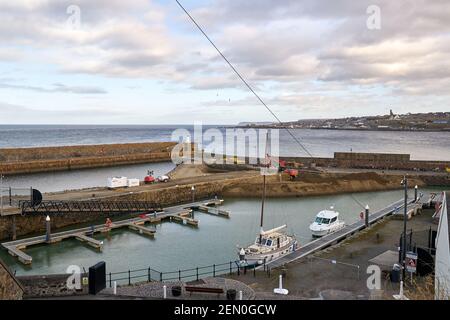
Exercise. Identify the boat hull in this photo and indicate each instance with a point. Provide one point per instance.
(258, 259)
(318, 233)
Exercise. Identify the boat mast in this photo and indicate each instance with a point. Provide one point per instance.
(262, 203)
(264, 188)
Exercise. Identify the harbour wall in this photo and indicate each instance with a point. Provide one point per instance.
(381, 161)
(309, 185)
(46, 159)
(10, 287)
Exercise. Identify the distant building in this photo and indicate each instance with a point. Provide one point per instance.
(440, 122)
(393, 116)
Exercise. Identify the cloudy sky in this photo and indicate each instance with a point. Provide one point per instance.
(143, 61)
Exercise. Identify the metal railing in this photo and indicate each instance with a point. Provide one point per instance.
(193, 274)
(103, 206)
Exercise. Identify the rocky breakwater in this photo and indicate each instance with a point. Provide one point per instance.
(45, 159)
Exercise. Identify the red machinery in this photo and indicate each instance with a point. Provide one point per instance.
(288, 167)
(293, 173)
(149, 178)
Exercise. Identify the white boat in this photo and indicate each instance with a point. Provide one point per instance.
(327, 221)
(269, 245)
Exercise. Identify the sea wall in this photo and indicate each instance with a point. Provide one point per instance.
(381, 161)
(10, 288)
(308, 185)
(45, 159)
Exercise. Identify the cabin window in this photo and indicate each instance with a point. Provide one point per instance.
(269, 243)
(264, 240)
(334, 219)
(325, 221)
(319, 220)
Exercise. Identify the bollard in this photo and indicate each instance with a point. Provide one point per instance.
(280, 289)
(240, 294)
(366, 216)
(115, 288)
(401, 290)
(165, 292)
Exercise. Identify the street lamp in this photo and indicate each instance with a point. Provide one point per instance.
(193, 194)
(47, 227)
(1, 194)
(366, 216)
(405, 217)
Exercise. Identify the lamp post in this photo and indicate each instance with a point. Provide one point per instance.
(366, 216)
(415, 192)
(1, 194)
(405, 217)
(193, 200)
(47, 227)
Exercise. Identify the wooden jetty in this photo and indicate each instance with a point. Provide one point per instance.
(214, 211)
(90, 241)
(338, 236)
(181, 214)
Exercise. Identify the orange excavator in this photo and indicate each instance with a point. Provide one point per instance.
(289, 168)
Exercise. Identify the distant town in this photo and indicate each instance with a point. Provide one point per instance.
(432, 121)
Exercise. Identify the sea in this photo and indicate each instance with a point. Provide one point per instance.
(317, 142)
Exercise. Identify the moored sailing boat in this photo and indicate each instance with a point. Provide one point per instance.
(269, 245)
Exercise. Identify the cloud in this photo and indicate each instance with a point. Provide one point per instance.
(33, 115)
(302, 55)
(57, 87)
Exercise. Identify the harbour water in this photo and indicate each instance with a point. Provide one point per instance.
(88, 178)
(177, 246)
